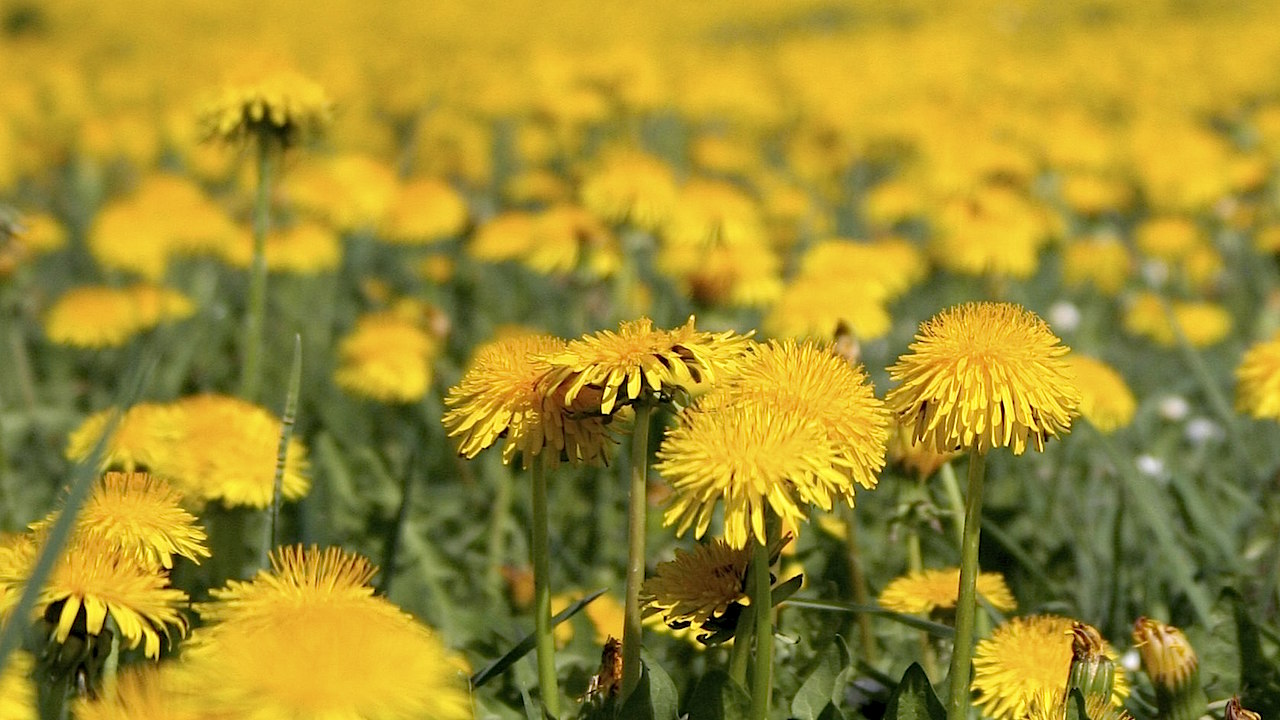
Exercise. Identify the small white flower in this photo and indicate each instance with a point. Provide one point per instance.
(1155, 272)
(1203, 430)
(1174, 408)
(1131, 661)
(1150, 465)
(1064, 316)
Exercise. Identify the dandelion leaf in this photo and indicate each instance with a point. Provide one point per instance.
(914, 698)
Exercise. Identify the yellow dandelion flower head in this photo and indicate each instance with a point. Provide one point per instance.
(1201, 323)
(285, 106)
(425, 210)
(155, 692)
(93, 579)
(755, 457)
(639, 360)
(565, 238)
(503, 394)
(304, 248)
(41, 233)
(144, 438)
(386, 357)
(98, 316)
(630, 187)
(895, 200)
(992, 231)
(714, 212)
(1053, 705)
(1092, 193)
(814, 306)
(984, 375)
(1026, 657)
(227, 452)
(17, 692)
(1167, 656)
(349, 192)
(885, 269)
(927, 590)
(1105, 399)
(916, 457)
(140, 516)
(506, 236)
(809, 379)
(1236, 711)
(1167, 238)
(310, 639)
(1102, 262)
(743, 275)
(1258, 380)
(697, 586)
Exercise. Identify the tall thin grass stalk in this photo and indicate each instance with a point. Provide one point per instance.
(860, 594)
(287, 421)
(637, 519)
(545, 640)
(966, 606)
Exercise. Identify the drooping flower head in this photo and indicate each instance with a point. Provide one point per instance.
(640, 360)
(796, 426)
(984, 375)
(1026, 657)
(928, 590)
(1258, 380)
(286, 106)
(1167, 656)
(1105, 399)
(697, 586)
(140, 516)
(504, 394)
(310, 639)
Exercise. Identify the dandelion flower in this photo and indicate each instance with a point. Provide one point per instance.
(285, 106)
(140, 516)
(917, 457)
(92, 580)
(1103, 263)
(144, 438)
(927, 590)
(984, 375)
(1201, 323)
(17, 692)
(41, 233)
(305, 248)
(227, 452)
(386, 357)
(1105, 399)
(503, 395)
(630, 187)
(1026, 657)
(698, 586)
(1167, 656)
(815, 306)
(425, 210)
(1258, 380)
(1052, 705)
(310, 639)
(1167, 238)
(142, 691)
(640, 360)
(97, 317)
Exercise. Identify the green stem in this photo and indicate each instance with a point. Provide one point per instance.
(966, 606)
(499, 517)
(740, 655)
(636, 523)
(272, 535)
(860, 593)
(762, 602)
(915, 563)
(952, 488)
(251, 350)
(546, 643)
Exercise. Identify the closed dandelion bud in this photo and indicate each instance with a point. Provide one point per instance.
(1236, 712)
(1092, 672)
(1171, 663)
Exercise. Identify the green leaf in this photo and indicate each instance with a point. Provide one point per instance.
(914, 698)
(1259, 678)
(522, 648)
(785, 590)
(718, 697)
(822, 685)
(831, 712)
(654, 698)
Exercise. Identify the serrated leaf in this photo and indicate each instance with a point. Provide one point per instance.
(819, 689)
(914, 698)
(718, 697)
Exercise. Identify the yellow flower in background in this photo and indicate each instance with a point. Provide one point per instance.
(305, 248)
(386, 357)
(226, 451)
(93, 579)
(1101, 262)
(885, 268)
(310, 639)
(1026, 657)
(630, 187)
(349, 191)
(993, 231)
(698, 585)
(285, 106)
(565, 238)
(504, 394)
(1105, 399)
(1258, 380)
(41, 233)
(17, 692)
(506, 236)
(813, 307)
(1090, 193)
(144, 438)
(1052, 705)
(922, 459)
(748, 275)
(99, 316)
(984, 375)
(1167, 238)
(1202, 323)
(141, 517)
(713, 212)
(928, 590)
(424, 211)
(155, 692)
(639, 360)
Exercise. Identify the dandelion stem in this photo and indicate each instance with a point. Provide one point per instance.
(860, 594)
(740, 655)
(546, 644)
(958, 704)
(251, 351)
(762, 604)
(636, 522)
(499, 516)
(952, 488)
(272, 538)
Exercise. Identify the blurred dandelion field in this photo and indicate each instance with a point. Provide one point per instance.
(650, 360)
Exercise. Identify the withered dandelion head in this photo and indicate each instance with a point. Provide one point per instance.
(984, 375)
(310, 639)
(286, 107)
(503, 394)
(927, 590)
(1167, 656)
(1105, 399)
(1258, 380)
(699, 585)
(140, 516)
(386, 357)
(640, 360)
(1026, 657)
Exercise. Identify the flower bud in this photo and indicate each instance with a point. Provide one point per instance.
(1171, 663)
